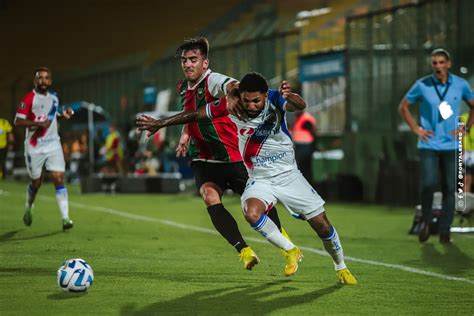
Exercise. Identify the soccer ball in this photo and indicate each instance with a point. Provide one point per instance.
(75, 275)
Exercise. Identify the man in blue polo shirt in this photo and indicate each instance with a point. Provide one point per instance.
(440, 95)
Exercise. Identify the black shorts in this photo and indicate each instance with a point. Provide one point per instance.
(3, 156)
(231, 175)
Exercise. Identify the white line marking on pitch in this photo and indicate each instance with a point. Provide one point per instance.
(210, 231)
(313, 250)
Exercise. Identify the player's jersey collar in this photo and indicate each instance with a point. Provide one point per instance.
(204, 75)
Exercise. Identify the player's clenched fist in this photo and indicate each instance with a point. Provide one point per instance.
(285, 89)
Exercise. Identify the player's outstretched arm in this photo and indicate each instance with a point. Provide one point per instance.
(294, 102)
(152, 125)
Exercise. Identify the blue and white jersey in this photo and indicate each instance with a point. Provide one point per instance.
(264, 142)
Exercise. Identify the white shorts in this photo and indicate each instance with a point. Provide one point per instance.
(291, 189)
(53, 159)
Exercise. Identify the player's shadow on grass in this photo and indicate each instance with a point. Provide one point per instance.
(451, 260)
(260, 299)
(65, 296)
(21, 271)
(8, 236)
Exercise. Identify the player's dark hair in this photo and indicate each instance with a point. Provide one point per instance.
(200, 43)
(253, 82)
(37, 70)
(441, 52)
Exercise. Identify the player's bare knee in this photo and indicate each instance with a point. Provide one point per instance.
(36, 184)
(252, 211)
(252, 215)
(58, 178)
(320, 224)
(210, 193)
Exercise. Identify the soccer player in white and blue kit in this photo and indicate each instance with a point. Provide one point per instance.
(267, 151)
(38, 114)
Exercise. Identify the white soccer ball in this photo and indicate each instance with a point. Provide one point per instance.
(75, 275)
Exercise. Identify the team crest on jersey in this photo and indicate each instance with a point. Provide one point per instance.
(22, 105)
(246, 131)
(200, 93)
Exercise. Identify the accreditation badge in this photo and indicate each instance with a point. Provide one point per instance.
(445, 110)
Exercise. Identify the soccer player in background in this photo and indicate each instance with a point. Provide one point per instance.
(212, 144)
(38, 114)
(267, 150)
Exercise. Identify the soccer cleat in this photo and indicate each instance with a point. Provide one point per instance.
(292, 256)
(445, 238)
(424, 232)
(67, 224)
(248, 256)
(28, 216)
(345, 277)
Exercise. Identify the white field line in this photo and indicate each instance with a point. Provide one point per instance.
(258, 240)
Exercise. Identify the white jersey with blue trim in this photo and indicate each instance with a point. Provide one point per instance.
(265, 142)
(39, 107)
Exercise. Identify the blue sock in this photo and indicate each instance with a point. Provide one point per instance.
(333, 246)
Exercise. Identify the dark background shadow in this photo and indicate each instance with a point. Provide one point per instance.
(9, 235)
(452, 261)
(234, 300)
(65, 296)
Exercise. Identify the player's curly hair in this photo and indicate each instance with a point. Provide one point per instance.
(200, 43)
(253, 82)
(37, 70)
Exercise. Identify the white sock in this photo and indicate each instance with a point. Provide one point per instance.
(270, 231)
(30, 195)
(333, 246)
(63, 203)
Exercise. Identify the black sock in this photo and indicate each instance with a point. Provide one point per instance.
(273, 215)
(226, 226)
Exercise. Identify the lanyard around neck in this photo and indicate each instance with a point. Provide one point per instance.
(441, 97)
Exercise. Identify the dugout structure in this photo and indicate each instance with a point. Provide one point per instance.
(387, 51)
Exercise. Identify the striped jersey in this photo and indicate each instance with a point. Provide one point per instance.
(39, 107)
(212, 140)
(264, 142)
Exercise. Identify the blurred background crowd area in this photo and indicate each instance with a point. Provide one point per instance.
(352, 61)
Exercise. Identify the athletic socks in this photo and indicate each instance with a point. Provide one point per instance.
(226, 226)
(333, 246)
(273, 215)
(30, 195)
(270, 231)
(63, 203)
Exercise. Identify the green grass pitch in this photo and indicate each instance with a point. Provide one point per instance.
(159, 254)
